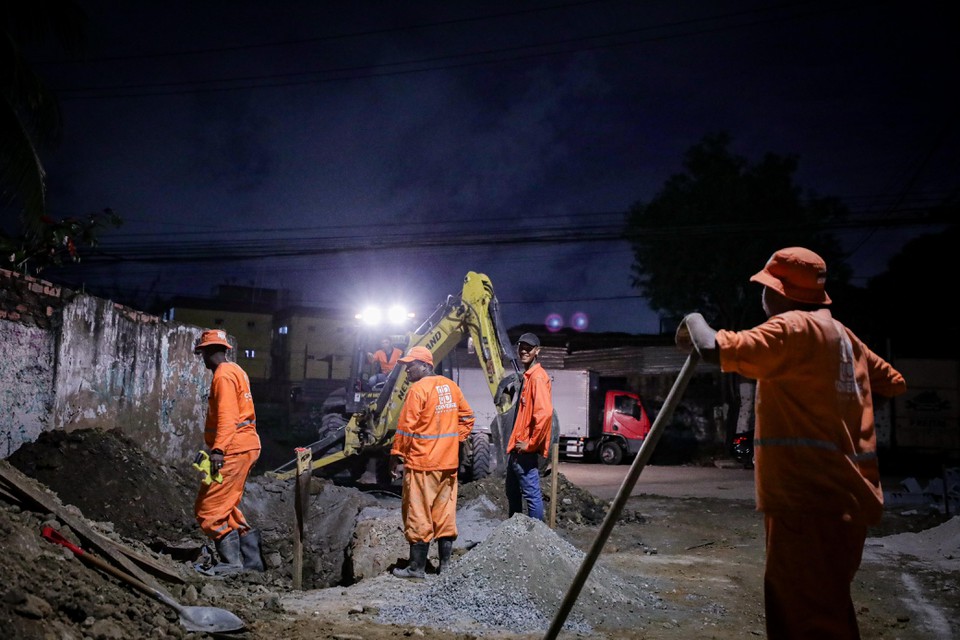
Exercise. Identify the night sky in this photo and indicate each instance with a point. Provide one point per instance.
(383, 149)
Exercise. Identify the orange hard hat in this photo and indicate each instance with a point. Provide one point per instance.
(211, 337)
(418, 353)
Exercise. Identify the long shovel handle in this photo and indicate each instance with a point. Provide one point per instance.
(56, 537)
(626, 488)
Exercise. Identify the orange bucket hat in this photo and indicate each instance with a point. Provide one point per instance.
(796, 273)
(211, 337)
(418, 353)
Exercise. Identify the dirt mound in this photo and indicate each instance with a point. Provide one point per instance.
(111, 479)
(47, 593)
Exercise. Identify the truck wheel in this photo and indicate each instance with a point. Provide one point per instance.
(611, 453)
(477, 455)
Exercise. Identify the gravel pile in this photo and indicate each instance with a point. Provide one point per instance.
(515, 581)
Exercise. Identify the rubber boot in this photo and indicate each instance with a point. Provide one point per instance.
(231, 559)
(445, 549)
(415, 568)
(251, 551)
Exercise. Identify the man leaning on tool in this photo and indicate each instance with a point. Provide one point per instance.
(817, 477)
(530, 438)
(230, 434)
(434, 420)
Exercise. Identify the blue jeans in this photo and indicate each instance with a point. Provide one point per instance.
(523, 484)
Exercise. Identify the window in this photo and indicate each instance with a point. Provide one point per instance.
(625, 405)
(283, 330)
(251, 324)
(250, 353)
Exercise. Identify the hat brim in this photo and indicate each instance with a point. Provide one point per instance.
(767, 280)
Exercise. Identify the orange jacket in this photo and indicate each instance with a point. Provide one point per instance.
(434, 420)
(815, 439)
(231, 421)
(534, 419)
(386, 363)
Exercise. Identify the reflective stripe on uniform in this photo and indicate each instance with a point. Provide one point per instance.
(423, 436)
(811, 442)
(246, 422)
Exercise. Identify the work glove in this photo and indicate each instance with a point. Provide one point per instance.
(216, 461)
(695, 333)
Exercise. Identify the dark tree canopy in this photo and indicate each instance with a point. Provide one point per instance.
(29, 111)
(698, 241)
(903, 293)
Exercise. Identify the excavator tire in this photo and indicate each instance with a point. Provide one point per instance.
(476, 459)
(332, 428)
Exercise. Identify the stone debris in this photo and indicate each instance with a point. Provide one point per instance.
(939, 494)
(938, 546)
(515, 581)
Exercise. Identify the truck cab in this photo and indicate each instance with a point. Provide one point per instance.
(625, 427)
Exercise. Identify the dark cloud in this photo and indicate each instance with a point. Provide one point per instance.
(251, 121)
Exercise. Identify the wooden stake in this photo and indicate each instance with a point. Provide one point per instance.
(554, 472)
(301, 500)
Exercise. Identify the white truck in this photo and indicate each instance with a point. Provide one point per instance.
(591, 422)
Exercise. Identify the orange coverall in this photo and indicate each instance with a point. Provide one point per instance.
(534, 419)
(434, 420)
(231, 427)
(817, 476)
(386, 363)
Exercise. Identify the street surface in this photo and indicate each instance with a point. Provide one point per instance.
(604, 481)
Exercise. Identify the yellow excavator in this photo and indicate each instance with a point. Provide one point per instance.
(358, 424)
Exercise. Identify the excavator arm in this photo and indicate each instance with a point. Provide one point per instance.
(474, 314)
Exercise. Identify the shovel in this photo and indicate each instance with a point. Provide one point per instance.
(626, 488)
(198, 619)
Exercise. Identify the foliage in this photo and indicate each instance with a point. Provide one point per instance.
(29, 112)
(708, 229)
(54, 241)
(903, 291)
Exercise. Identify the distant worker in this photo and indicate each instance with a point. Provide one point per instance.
(434, 420)
(234, 446)
(530, 438)
(386, 358)
(817, 474)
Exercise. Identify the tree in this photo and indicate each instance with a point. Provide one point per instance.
(29, 112)
(702, 236)
(902, 297)
(708, 229)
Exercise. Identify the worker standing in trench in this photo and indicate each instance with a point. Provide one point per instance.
(230, 433)
(530, 438)
(434, 420)
(817, 474)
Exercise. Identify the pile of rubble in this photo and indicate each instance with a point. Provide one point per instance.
(515, 581)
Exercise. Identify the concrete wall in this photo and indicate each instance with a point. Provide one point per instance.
(26, 384)
(73, 361)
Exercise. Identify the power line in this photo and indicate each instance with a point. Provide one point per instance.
(263, 82)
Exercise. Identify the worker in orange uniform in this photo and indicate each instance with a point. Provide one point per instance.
(386, 358)
(817, 475)
(434, 420)
(231, 436)
(530, 438)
